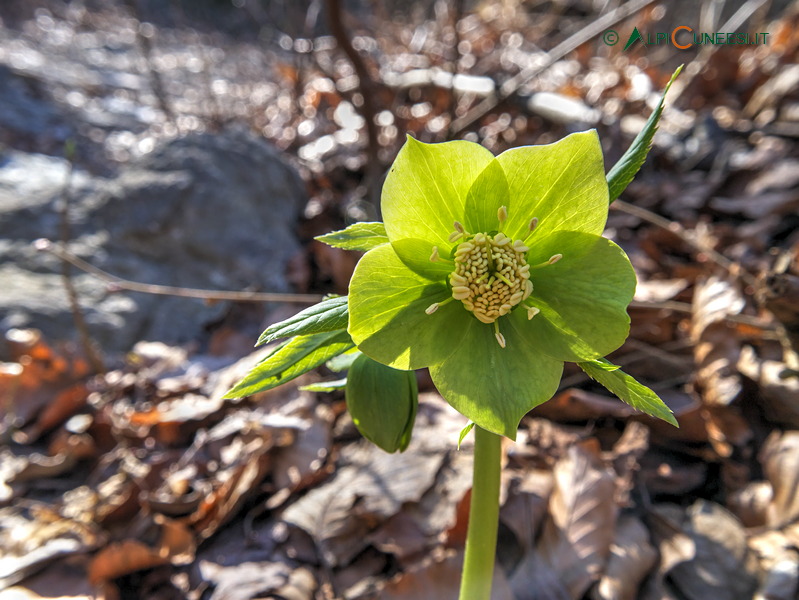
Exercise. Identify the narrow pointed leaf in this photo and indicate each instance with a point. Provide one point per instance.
(358, 236)
(628, 389)
(342, 362)
(291, 360)
(328, 315)
(623, 171)
(325, 386)
(464, 432)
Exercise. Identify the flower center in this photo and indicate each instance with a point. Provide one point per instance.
(491, 275)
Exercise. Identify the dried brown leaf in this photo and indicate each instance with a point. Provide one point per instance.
(631, 558)
(366, 490)
(30, 539)
(779, 394)
(439, 580)
(722, 567)
(751, 504)
(780, 459)
(626, 456)
(176, 545)
(246, 580)
(526, 507)
(582, 517)
(716, 349)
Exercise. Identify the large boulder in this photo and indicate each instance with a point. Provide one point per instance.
(208, 210)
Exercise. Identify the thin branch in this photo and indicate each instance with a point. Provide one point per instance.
(512, 85)
(66, 273)
(678, 230)
(117, 283)
(368, 90)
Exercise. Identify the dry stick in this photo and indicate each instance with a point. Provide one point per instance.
(117, 283)
(685, 236)
(368, 89)
(146, 47)
(512, 85)
(66, 272)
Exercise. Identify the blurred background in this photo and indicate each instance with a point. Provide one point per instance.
(204, 143)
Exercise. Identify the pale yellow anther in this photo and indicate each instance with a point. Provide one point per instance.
(461, 292)
(434, 256)
(432, 308)
(501, 239)
(491, 276)
(458, 227)
(528, 289)
(555, 258)
(502, 214)
(454, 236)
(533, 224)
(498, 335)
(519, 246)
(531, 312)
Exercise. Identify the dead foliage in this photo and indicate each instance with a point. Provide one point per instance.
(143, 483)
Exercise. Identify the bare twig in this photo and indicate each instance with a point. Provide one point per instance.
(117, 283)
(368, 90)
(146, 47)
(512, 85)
(678, 230)
(66, 272)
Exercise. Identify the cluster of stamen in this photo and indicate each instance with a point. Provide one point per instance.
(491, 275)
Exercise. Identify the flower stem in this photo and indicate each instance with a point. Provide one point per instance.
(481, 536)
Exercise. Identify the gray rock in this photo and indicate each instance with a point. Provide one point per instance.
(23, 113)
(208, 211)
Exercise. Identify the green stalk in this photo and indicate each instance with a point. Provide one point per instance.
(481, 536)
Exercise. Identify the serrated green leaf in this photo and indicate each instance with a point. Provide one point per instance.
(605, 365)
(358, 236)
(325, 386)
(628, 389)
(464, 432)
(382, 403)
(623, 171)
(291, 360)
(328, 315)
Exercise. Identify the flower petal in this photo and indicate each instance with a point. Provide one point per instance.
(387, 303)
(562, 184)
(416, 255)
(583, 297)
(425, 190)
(493, 386)
(488, 192)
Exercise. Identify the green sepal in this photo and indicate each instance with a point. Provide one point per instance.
(325, 386)
(382, 402)
(464, 432)
(623, 172)
(292, 359)
(329, 315)
(358, 236)
(628, 389)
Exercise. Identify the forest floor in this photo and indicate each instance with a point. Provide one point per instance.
(141, 482)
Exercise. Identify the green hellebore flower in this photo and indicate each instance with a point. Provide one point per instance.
(495, 273)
